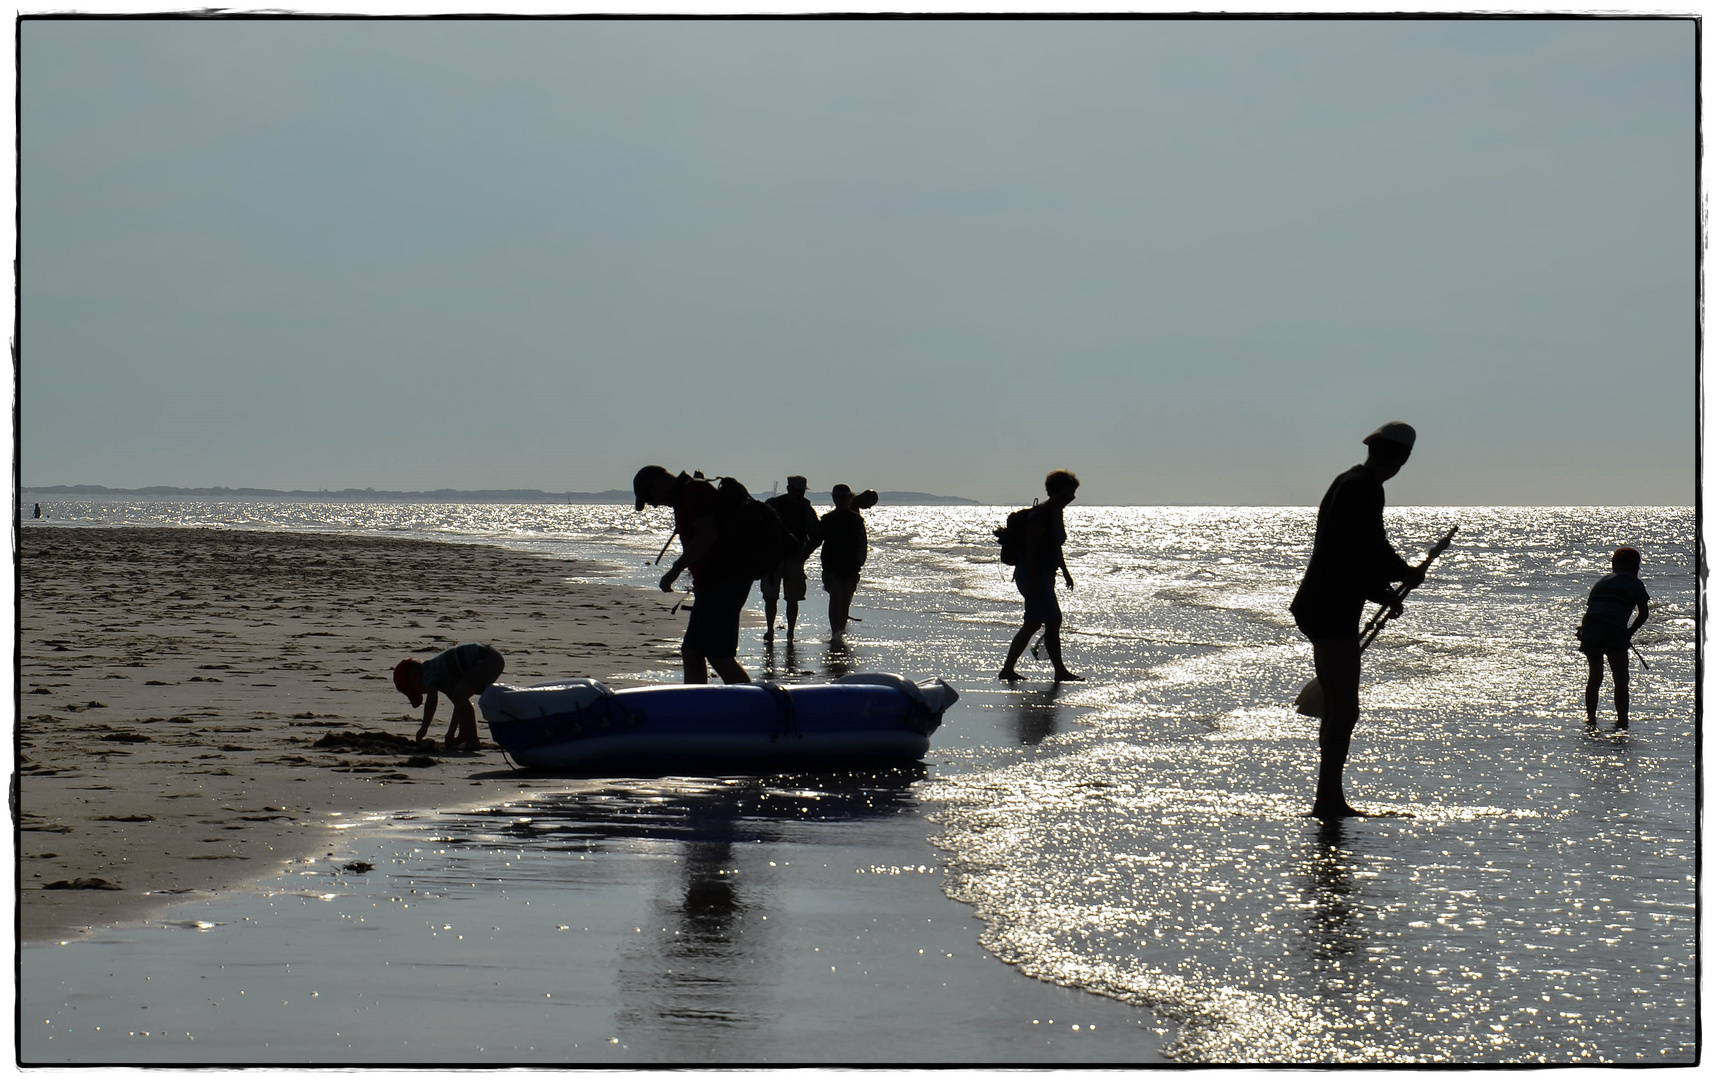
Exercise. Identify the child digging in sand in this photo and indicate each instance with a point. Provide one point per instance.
(460, 672)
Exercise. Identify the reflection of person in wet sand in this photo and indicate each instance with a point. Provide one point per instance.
(1605, 630)
(1351, 562)
(1044, 555)
(461, 673)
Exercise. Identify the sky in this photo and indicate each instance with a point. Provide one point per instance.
(1192, 261)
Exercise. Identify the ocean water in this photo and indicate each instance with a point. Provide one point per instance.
(1525, 890)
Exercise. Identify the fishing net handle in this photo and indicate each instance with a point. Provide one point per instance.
(1386, 612)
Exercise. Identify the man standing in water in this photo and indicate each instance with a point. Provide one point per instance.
(1605, 630)
(801, 521)
(712, 631)
(845, 547)
(1045, 538)
(1351, 562)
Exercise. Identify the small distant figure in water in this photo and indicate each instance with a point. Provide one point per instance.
(1608, 627)
(1044, 555)
(1351, 562)
(38, 510)
(712, 631)
(801, 521)
(845, 547)
(460, 673)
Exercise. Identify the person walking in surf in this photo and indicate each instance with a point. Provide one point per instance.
(1045, 540)
(1351, 562)
(1605, 630)
(801, 521)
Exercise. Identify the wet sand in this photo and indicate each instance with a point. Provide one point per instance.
(197, 706)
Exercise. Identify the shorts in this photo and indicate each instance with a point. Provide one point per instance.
(1603, 641)
(847, 583)
(1041, 604)
(789, 574)
(712, 632)
(485, 668)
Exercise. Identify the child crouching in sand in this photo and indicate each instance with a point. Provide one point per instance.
(460, 672)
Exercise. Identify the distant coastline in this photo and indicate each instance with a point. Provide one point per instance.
(440, 495)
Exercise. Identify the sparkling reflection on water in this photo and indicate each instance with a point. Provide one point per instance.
(1529, 894)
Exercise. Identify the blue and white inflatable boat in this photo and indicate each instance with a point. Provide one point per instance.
(580, 724)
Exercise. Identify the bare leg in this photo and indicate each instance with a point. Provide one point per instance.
(696, 670)
(1052, 642)
(769, 617)
(1593, 685)
(1023, 638)
(1337, 661)
(1619, 667)
(792, 617)
(839, 608)
(730, 671)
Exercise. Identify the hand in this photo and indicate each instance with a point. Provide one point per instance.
(421, 731)
(1396, 605)
(1067, 574)
(1414, 578)
(669, 578)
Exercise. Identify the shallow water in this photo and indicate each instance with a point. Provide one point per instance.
(1530, 896)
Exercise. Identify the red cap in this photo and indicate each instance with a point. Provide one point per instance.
(399, 671)
(1625, 556)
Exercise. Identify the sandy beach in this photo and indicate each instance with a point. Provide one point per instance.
(198, 706)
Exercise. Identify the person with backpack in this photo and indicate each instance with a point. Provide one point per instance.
(799, 519)
(1351, 562)
(845, 547)
(1608, 627)
(720, 582)
(1038, 554)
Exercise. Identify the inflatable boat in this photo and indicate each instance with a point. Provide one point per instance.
(580, 724)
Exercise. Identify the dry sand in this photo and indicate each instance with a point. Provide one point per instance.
(198, 706)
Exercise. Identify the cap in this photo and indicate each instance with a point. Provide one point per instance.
(644, 480)
(1394, 431)
(797, 483)
(839, 490)
(1625, 556)
(399, 671)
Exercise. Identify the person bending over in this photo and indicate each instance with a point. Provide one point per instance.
(460, 673)
(1605, 630)
(712, 631)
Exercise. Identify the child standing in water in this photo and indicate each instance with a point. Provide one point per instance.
(1605, 630)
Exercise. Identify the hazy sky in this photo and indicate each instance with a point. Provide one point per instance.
(1192, 261)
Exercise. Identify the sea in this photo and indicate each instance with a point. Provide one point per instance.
(1523, 888)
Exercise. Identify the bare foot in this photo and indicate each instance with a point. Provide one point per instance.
(1010, 675)
(1331, 811)
(1067, 676)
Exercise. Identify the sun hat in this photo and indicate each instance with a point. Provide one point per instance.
(839, 490)
(1394, 431)
(797, 483)
(865, 499)
(399, 671)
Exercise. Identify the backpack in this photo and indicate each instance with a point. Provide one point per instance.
(752, 540)
(1012, 535)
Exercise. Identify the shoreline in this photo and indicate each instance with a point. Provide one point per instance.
(199, 707)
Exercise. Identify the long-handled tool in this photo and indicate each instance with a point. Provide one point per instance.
(1310, 700)
(663, 552)
(1638, 654)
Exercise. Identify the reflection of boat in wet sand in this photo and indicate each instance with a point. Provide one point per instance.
(580, 723)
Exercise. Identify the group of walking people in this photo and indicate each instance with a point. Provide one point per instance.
(720, 533)
(722, 530)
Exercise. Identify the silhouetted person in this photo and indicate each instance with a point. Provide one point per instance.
(1045, 539)
(460, 672)
(1351, 562)
(38, 510)
(1608, 627)
(801, 521)
(845, 547)
(712, 630)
